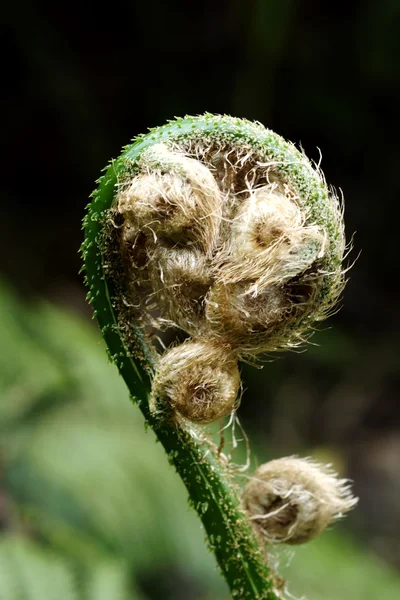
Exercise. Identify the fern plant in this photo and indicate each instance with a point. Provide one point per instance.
(219, 228)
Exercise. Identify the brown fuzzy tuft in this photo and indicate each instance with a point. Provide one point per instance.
(181, 280)
(198, 380)
(292, 500)
(175, 198)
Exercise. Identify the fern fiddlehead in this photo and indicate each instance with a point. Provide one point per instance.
(219, 228)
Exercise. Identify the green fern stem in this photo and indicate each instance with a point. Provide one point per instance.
(211, 490)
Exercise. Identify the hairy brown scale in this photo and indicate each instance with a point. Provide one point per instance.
(293, 500)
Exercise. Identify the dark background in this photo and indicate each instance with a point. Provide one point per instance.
(81, 79)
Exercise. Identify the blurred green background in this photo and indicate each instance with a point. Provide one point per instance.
(89, 507)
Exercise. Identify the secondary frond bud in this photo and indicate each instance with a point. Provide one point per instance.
(198, 380)
(181, 281)
(292, 500)
(270, 239)
(254, 322)
(174, 197)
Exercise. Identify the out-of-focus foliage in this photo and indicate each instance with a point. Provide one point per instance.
(89, 506)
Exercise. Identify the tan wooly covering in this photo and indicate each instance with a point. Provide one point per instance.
(292, 500)
(183, 203)
(198, 380)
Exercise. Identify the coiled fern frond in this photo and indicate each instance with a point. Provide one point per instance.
(221, 229)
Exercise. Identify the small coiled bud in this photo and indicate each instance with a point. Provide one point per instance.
(292, 500)
(198, 380)
(181, 281)
(270, 241)
(175, 197)
(237, 315)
